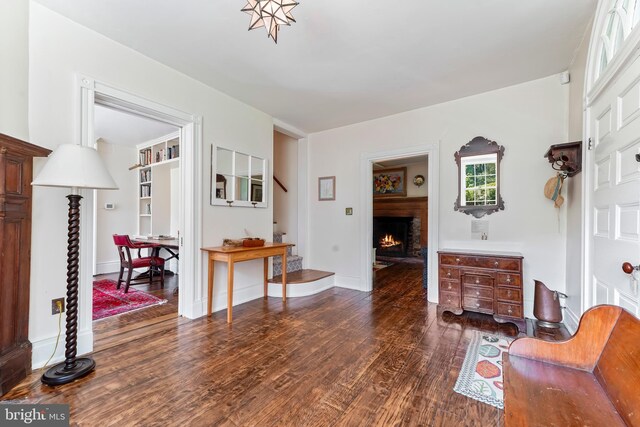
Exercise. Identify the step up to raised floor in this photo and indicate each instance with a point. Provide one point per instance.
(294, 263)
(302, 276)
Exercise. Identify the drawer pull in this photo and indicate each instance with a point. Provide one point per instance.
(495, 263)
(449, 286)
(449, 300)
(509, 311)
(477, 281)
(478, 293)
(508, 279)
(477, 305)
(448, 274)
(458, 260)
(508, 293)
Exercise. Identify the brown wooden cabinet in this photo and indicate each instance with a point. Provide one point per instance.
(484, 282)
(15, 253)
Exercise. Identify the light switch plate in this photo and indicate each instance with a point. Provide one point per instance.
(348, 211)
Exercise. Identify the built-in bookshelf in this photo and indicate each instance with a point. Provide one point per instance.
(155, 157)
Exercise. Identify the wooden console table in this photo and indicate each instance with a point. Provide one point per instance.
(231, 255)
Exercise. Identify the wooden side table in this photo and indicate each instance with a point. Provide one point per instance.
(231, 255)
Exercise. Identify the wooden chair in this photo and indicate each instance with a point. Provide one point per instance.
(591, 379)
(153, 263)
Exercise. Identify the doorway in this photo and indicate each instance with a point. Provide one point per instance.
(400, 214)
(142, 155)
(426, 158)
(92, 93)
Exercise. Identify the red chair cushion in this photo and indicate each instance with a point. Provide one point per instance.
(147, 261)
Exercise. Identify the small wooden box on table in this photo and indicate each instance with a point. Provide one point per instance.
(484, 282)
(591, 379)
(233, 254)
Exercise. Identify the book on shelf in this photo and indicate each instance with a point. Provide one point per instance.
(145, 175)
(145, 190)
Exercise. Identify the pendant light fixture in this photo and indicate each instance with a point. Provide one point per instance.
(270, 14)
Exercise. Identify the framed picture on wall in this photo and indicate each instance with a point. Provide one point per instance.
(390, 182)
(327, 188)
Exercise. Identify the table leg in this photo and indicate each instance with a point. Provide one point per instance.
(229, 291)
(284, 275)
(266, 275)
(210, 300)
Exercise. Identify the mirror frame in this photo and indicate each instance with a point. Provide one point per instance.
(479, 146)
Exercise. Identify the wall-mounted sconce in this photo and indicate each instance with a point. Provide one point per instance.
(566, 158)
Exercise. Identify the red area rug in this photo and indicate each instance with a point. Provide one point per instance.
(109, 301)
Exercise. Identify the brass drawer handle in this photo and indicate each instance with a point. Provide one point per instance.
(496, 263)
(509, 310)
(477, 305)
(477, 281)
(448, 274)
(449, 286)
(508, 279)
(508, 293)
(458, 260)
(478, 293)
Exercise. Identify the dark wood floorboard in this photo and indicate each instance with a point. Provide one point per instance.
(338, 358)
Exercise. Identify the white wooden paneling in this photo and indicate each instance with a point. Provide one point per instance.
(628, 222)
(601, 222)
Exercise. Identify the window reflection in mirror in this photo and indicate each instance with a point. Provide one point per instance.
(238, 179)
(479, 177)
(479, 184)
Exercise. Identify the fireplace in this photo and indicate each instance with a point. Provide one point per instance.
(392, 236)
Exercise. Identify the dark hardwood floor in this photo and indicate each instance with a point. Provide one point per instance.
(338, 358)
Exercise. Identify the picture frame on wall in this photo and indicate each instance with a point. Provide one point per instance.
(326, 188)
(390, 182)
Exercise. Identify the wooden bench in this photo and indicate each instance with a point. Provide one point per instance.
(591, 379)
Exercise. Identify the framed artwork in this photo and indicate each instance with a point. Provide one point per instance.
(390, 182)
(326, 188)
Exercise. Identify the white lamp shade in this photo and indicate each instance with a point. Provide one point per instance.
(72, 165)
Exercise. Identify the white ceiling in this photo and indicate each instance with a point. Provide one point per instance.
(118, 127)
(347, 61)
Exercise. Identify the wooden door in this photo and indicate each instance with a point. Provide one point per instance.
(614, 202)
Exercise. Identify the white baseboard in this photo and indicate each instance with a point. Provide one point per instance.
(301, 289)
(107, 267)
(42, 349)
(348, 282)
(571, 321)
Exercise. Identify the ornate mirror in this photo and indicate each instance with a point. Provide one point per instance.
(479, 177)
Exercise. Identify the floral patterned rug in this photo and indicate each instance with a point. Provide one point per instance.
(109, 301)
(481, 374)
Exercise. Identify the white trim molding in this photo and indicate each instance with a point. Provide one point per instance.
(90, 92)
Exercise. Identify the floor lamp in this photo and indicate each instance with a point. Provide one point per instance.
(73, 166)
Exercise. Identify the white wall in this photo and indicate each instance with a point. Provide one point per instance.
(285, 168)
(122, 219)
(573, 188)
(59, 49)
(14, 68)
(525, 119)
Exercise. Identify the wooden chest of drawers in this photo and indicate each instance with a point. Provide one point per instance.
(483, 282)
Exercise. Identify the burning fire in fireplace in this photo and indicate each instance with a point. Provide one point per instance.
(388, 241)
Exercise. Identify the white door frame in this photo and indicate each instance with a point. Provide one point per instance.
(190, 287)
(366, 209)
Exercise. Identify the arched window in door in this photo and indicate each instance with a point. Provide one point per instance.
(621, 19)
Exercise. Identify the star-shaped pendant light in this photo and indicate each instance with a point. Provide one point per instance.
(270, 14)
